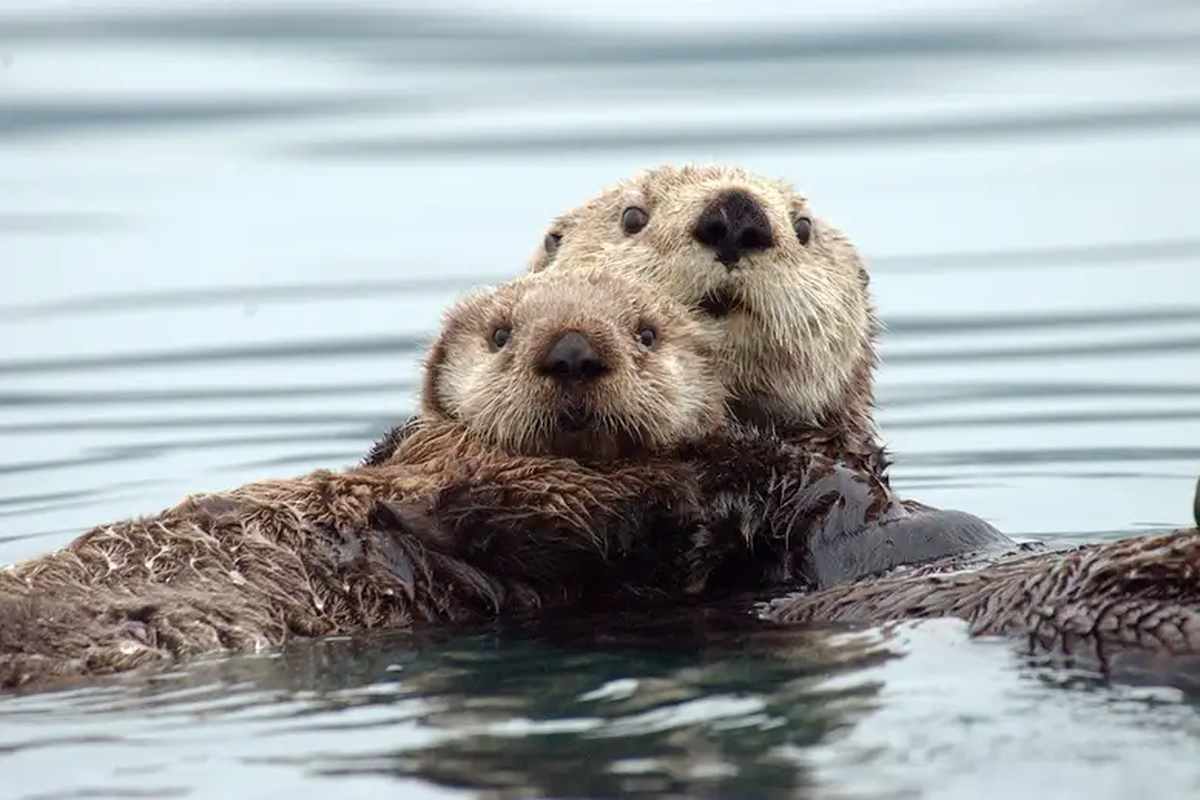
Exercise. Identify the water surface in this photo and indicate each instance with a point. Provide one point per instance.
(228, 233)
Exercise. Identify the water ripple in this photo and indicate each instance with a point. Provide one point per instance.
(1054, 455)
(306, 351)
(495, 39)
(157, 396)
(1081, 255)
(41, 118)
(200, 297)
(1030, 167)
(762, 136)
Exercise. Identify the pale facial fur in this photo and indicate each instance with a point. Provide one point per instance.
(798, 342)
(650, 398)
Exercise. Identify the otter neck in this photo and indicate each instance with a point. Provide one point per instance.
(844, 432)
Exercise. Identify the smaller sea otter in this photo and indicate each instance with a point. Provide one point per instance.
(534, 392)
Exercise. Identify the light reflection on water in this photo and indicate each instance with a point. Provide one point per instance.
(228, 238)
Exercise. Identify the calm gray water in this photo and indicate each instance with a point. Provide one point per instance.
(227, 236)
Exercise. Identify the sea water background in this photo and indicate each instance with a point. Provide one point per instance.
(227, 231)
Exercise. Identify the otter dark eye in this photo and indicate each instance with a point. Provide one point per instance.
(633, 219)
(500, 337)
(647, 336)
(551, 242)
(803, 229)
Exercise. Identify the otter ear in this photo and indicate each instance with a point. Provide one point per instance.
(545, 254)
(539, 261)
(435, 364)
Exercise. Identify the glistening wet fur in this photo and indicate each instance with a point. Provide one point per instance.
(342, 552)
(469, 519)
(786, 298)
(1129, 609)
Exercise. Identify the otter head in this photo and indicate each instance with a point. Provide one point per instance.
(578, 363)
(787, 293)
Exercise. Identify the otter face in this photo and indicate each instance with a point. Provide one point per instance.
(578, 363)
(787, 293)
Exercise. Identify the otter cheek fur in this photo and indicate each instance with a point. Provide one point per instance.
(787, 293)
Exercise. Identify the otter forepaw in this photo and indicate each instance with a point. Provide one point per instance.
(383, 449)
(413, 519)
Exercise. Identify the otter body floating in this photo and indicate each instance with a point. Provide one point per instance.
(787, 299)
(604, 469)
(331, 553)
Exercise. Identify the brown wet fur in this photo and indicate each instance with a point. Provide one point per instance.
(740, 509)
(469, 518)
(1133, 603)
(332, 553)
(87, 631)
(340, 552)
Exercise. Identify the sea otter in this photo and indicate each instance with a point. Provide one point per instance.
(790, 296)
(788, 293)
(535, 392)
(572, 443)
(787, 297)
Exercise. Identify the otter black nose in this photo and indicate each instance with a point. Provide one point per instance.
(733, 224)
(572, 358)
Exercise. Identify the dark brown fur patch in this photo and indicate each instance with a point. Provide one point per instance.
(450, 531)
(1110, 605)
(330, 553)
(383, 447)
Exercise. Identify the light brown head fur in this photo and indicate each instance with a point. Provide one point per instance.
(795, 317)
(649, 382)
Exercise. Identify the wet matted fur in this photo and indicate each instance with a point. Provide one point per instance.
(331, 552)
(1124, 607)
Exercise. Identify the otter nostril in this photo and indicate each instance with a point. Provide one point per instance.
(754, 239)
(573, 358)
(732, 225)
(711, 231)
(592, 367)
